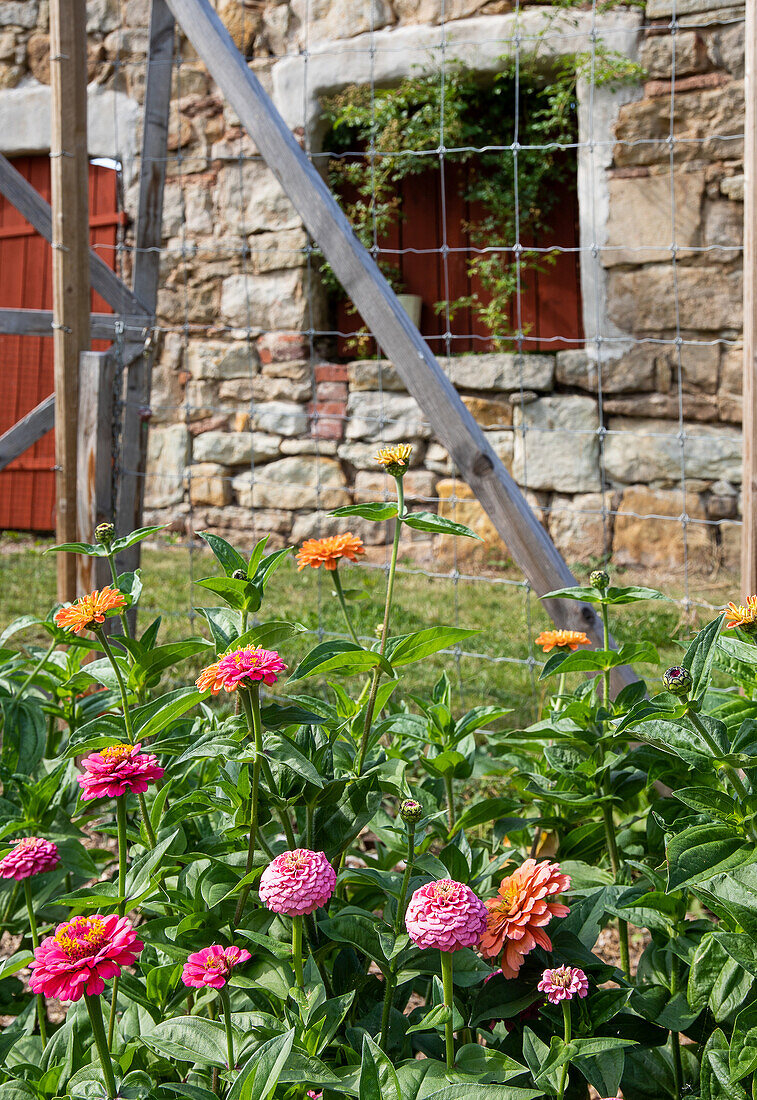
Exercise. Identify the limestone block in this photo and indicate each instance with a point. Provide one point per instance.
(724, 230)
(559, 449)
(430, 11)
(167, 457)
(214, 359)
(640, 227)
(577, 526)
(246, 390)
(725, 48)
(278, 251)
(649, 532)
(502, 371)
(658, 9)
(209, 483)
(419, 485)
(384, 417)
(650, 451)
(299, 482)
(235, 448)
(733, 188)
(634, 371)
(249, 199)
(309, 447)
(374, 374)
(269, 301)
(457, 502)
(732, 369)
(242, 23)
(322, 19)
(504, 445)
(280, 417)
(439, 461)
(657, 55)
(699, 406)
(489, 413)
(20, 13)
(709, 298)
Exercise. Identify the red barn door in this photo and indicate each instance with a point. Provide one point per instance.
(27, 486)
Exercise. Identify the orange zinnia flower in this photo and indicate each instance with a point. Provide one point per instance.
(317, 552)
(395, 459)
(89, 610)
(572, 639)
(520, 911)
(743, 615)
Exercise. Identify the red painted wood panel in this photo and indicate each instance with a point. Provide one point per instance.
(27, 486)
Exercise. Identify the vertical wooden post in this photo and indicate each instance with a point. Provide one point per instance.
(70, 224)
(94, 459)
(749, 480)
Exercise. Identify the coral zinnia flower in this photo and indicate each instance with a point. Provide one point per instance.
(89, 610)
(445, 914)
(81, 954)
(114, 771)
(743, 615)
(297, 883)
(562, 983)
(253, 663)
(317, 552)
(30, 856)
(396, 459)
(213, 965)
(520, 911)
(572, 639)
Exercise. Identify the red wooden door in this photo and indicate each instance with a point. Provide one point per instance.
(27, 486)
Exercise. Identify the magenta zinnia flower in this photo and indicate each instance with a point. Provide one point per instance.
(562, 983)
(213, 965)
(81, 954)
(445, 914)
(296, 883)
(230, 672)
(114, 771)
(30, 856)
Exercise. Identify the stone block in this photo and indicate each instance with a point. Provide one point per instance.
(384, 417)
(733, 188)
(502, 371)
(299, 482)
(666, 406)
(732, 369)
(318, 525)
(420, 485)
(578, 528)
(19, 13)
(215, 360)
(374, 374)
(278, 251)
(724, 230)
(296, 371)
(309, 447)
(659, 9)
(649, 532)
(725, 48)
(324, 19)
(640, 227)
(243, 391)
(282, 347)
(709, 298)
(634, 371)
(167, 457)
(650, 451)
(332, 373)
(489, 413)
(236, 448)
(249, 199)
(102, 15)
(658, 58)
(280, 417)
(272, 301)
(209, 483)
(457, 502)
(556, 445)
(439, 461)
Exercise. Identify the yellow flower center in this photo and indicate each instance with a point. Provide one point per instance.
(81, 937)
(116, 752)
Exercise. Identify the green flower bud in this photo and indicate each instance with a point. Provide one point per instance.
(600, 579)
(411, 811)
(678, 680)
(104, 533)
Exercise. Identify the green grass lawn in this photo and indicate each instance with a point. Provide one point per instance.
(494, 667)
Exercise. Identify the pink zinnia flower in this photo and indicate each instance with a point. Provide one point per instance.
(253, 663)
(213, 965)
(114, 771)
(81, 954)
(30, 856)
(313, 1095)
(297, 883)
(445, 914)
(525, 903)
(562, 983)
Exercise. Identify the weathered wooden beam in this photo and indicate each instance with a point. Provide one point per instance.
(749, 476)
(37, 212)
(39, 322)
(528, 542)
(27, 431)
(95, 460)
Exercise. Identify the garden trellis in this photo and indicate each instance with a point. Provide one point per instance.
(376, 60)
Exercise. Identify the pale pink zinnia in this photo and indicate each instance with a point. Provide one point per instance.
(525, 903)
(30, 856)
(82, 954)
(445, 914)
(232, 671)
(297, 883)
(213, 965)
(562, 983)
(114, 771)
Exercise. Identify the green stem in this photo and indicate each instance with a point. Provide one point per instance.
(449, 786)
(114, 575)
(566, 1022)
(730, 772)
(41, 1010)
(39, 665)
(675, 1038)
(251, 704)
(297, 950)
(121, 821)
(98, 1030)
(398, 923)
(309, 815)
(224, 995)
(343, 602)
(561, 685)
(385, 626)
(146, 819)
(612, 851)
(449, 1000)
(9, 907)
(606, 645)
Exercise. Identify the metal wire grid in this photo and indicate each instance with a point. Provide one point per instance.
(604, 342)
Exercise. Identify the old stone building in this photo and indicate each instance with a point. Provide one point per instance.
(259, 424)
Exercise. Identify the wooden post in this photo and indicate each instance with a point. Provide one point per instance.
(94, 460)
(749, 480)
(70, 227)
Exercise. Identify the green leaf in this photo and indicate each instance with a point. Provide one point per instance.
(716, 1081)
(698, 853)
(378, 1081)
(631, 594)
(429, 521)
(78, 548)
(341, 656)
(707, 800)
(484, 1092)
(229, 558)
(238, 594)
(189, 1039)
(700, 654)
(376, 512)
(409, 648)
(742, 1059)
(598, 660)
(134, 537)
(270, 635)
(153, 717)
(260, 1074)
(224, 625)
(435, 1017)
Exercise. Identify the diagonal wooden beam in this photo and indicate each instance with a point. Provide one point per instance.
(37, 212)
(527, 541)
(26, 431)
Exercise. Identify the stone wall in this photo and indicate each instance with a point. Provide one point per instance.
(256, 426)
